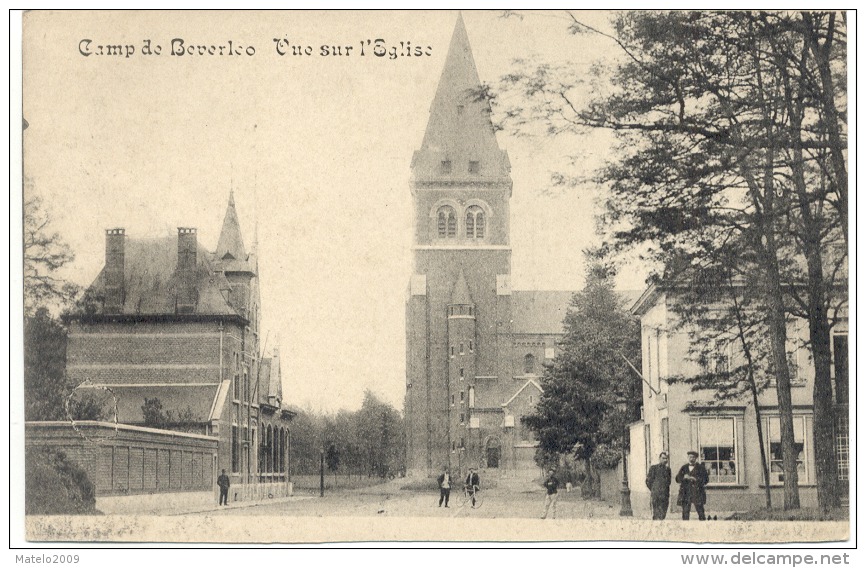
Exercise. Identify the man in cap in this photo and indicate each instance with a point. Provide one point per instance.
(658, 481)
(693, 478)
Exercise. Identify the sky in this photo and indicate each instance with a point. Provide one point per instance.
(317, 150)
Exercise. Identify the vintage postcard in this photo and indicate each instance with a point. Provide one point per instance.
(412, 276)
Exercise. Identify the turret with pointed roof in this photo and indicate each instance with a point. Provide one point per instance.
(460, 296)
(230, 251)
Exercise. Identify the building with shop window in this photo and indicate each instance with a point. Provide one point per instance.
(475, 347)
(167, 320)
(725, 436)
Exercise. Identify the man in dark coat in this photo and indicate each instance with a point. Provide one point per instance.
(224, 483)
(473, 483)
(444, 481)
(658, 481)
(551, 484)
(693, 478)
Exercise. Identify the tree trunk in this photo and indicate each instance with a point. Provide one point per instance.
(753, 387)
(827, 99)
(778, 336)
(813, 222)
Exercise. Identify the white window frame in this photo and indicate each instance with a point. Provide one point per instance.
(801, 422)
(737, 422)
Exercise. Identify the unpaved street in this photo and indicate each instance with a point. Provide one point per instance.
(523, 501)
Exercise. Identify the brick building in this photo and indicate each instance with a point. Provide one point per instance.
(166, 319)
(475, 347)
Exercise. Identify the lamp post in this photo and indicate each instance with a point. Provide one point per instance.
(322, 472)
(625, 492)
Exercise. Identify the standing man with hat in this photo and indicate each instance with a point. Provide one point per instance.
(693, 478)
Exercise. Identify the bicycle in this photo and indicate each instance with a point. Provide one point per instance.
(471, 497)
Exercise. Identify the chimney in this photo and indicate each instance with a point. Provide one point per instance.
(187, 246)
(114, 266)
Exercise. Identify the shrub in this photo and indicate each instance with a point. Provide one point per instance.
(56, 486)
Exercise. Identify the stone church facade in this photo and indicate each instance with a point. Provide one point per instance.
(475, 347)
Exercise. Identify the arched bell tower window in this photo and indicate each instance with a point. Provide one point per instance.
(446, 222)
(529, 363)
(475, 222)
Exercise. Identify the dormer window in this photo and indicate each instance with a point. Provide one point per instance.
(474, 167)
(475, 222)
(446, 222)
(445, 167)
(460, 109)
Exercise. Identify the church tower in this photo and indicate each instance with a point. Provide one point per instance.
(458, 313)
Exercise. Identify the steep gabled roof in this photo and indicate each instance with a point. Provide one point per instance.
(460, 129)
(270, 380)
(521, 389)
(151, 281)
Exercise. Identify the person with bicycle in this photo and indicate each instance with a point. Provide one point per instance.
(472, 485)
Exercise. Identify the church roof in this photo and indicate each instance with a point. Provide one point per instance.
(543, 311)
(460, 130)
(230, 248)
(460, 295)
(539, 311)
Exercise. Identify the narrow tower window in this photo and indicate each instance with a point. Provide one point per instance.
(445, 167)
(446, 222)
(475, 223)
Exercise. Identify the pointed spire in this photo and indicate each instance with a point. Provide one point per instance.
(231, 243)
(460, 129)
(460, 295)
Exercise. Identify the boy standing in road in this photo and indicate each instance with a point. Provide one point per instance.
(551, 484)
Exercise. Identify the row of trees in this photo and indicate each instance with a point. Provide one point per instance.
(730, 172)
(366, 442)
